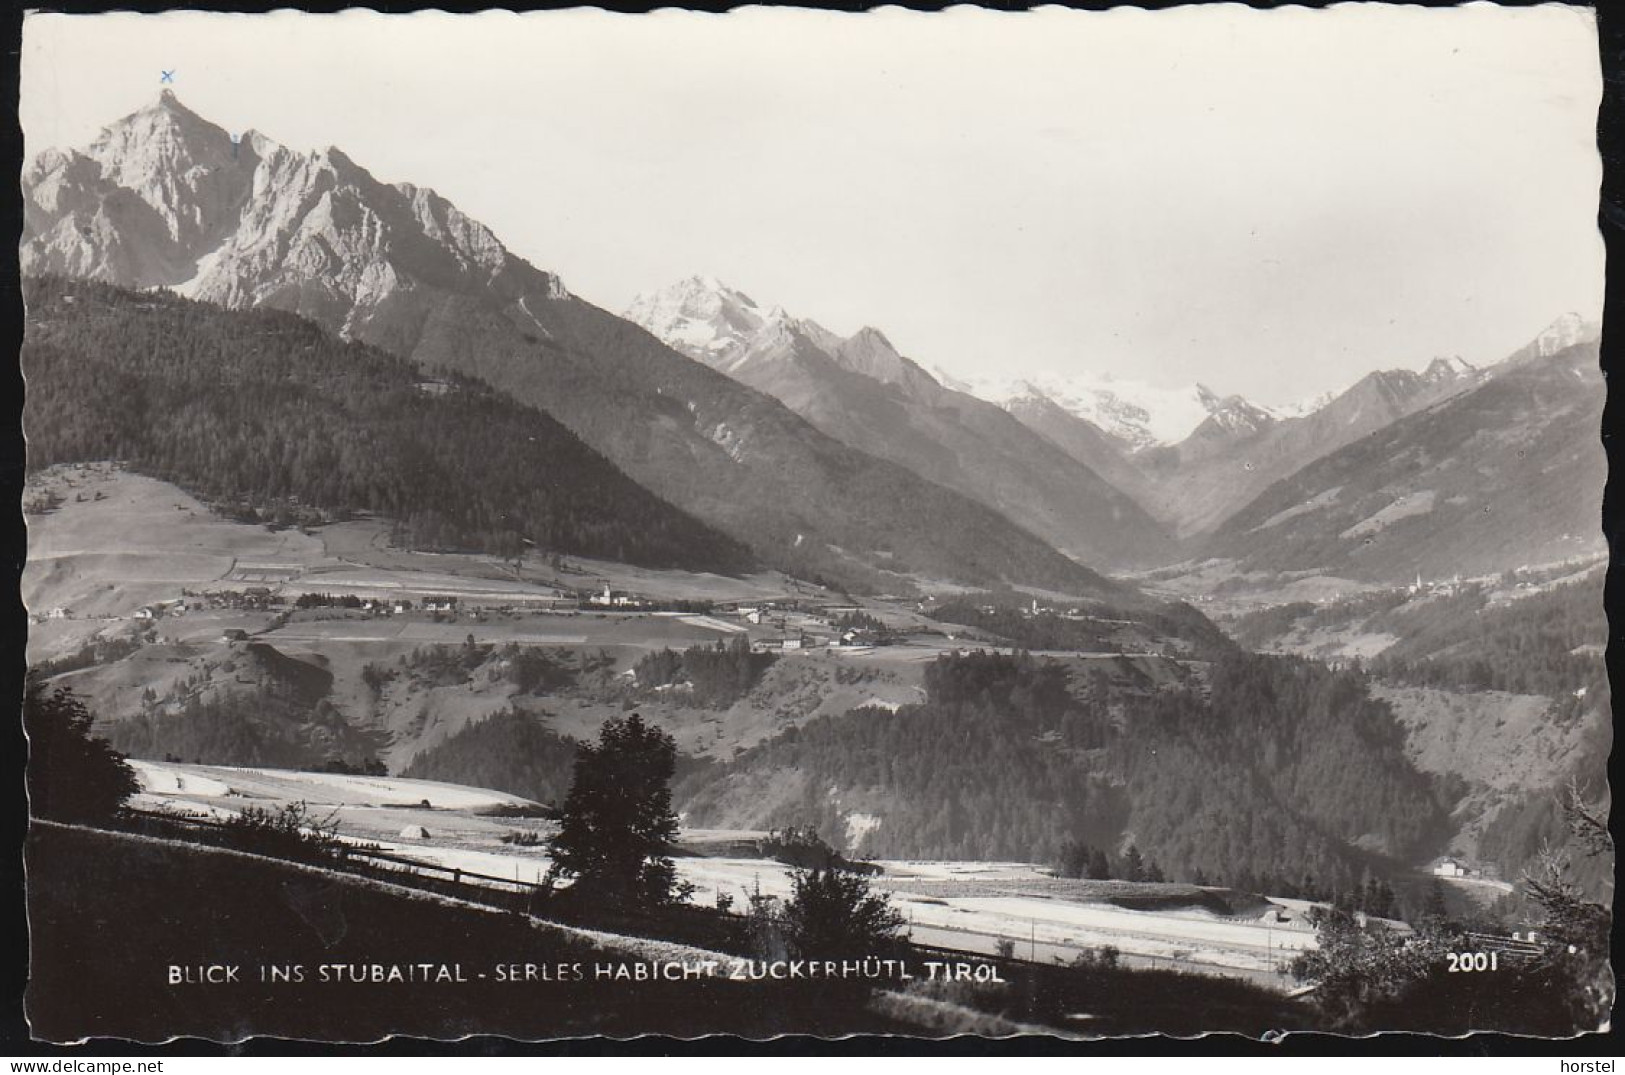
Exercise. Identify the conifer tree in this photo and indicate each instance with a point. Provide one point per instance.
(616, 824)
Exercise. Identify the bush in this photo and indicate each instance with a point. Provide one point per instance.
(805, 849)
(369, 767)
(72, 775)
(523, 838)
(533, 671)
(289, 831)
(834, 914)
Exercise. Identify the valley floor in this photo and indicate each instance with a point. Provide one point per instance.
(966, 907)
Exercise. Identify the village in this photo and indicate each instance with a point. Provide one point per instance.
(772, 625)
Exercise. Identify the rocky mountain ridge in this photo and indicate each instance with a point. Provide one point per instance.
(863, 392)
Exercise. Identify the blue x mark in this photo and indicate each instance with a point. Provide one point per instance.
(167, 76)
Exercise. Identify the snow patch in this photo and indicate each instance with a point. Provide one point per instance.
(157, 779)
(858, 826)
(731, 442)
(1140, 414)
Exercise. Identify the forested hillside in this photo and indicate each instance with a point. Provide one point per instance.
(1286, 770)
(1281, 774)
(1502, 686)
(508, 751)
(262, 408)
(1549, 643)
(253, 705)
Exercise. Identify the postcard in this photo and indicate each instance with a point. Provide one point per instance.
(1058, 523)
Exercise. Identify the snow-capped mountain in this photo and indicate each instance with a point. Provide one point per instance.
(1137, 414)
(1188, 455)
(862, 391)
(1232, 416)
(1569, 330)
(165, 198)
(728, 330)
(703, 318)
(1142, 416)
(1191, 455)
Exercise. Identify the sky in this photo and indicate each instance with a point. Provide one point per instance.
(1269, 203)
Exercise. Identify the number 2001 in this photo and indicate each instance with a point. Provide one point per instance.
(1463, 962)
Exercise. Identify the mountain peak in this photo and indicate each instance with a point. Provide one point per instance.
(167, 109)
(1566, 331)
(700, 316)
(159, 142)
(870, 336)
(236, 219)
(1136, 414)
(867, 351)
(705, 282)
(1448, 368)
(168, 101)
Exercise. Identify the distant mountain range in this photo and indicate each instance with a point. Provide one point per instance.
(1508, 472)
(859, 390)
(165, 198)
(1170, 466)
(1193, 458)
(1135, 414)
(1239, 452)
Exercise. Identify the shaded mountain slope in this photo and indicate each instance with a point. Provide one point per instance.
(1509, 473)
(264, 407)
(1225, 463)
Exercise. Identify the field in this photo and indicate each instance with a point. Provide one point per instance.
(137, 586)
(119, 541)
(964, 906)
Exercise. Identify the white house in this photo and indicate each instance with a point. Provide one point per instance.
(1450, 868)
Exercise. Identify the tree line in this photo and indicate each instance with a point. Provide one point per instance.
(1546, 643)
(511, 750)
(264, 410)
(1095, 627)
